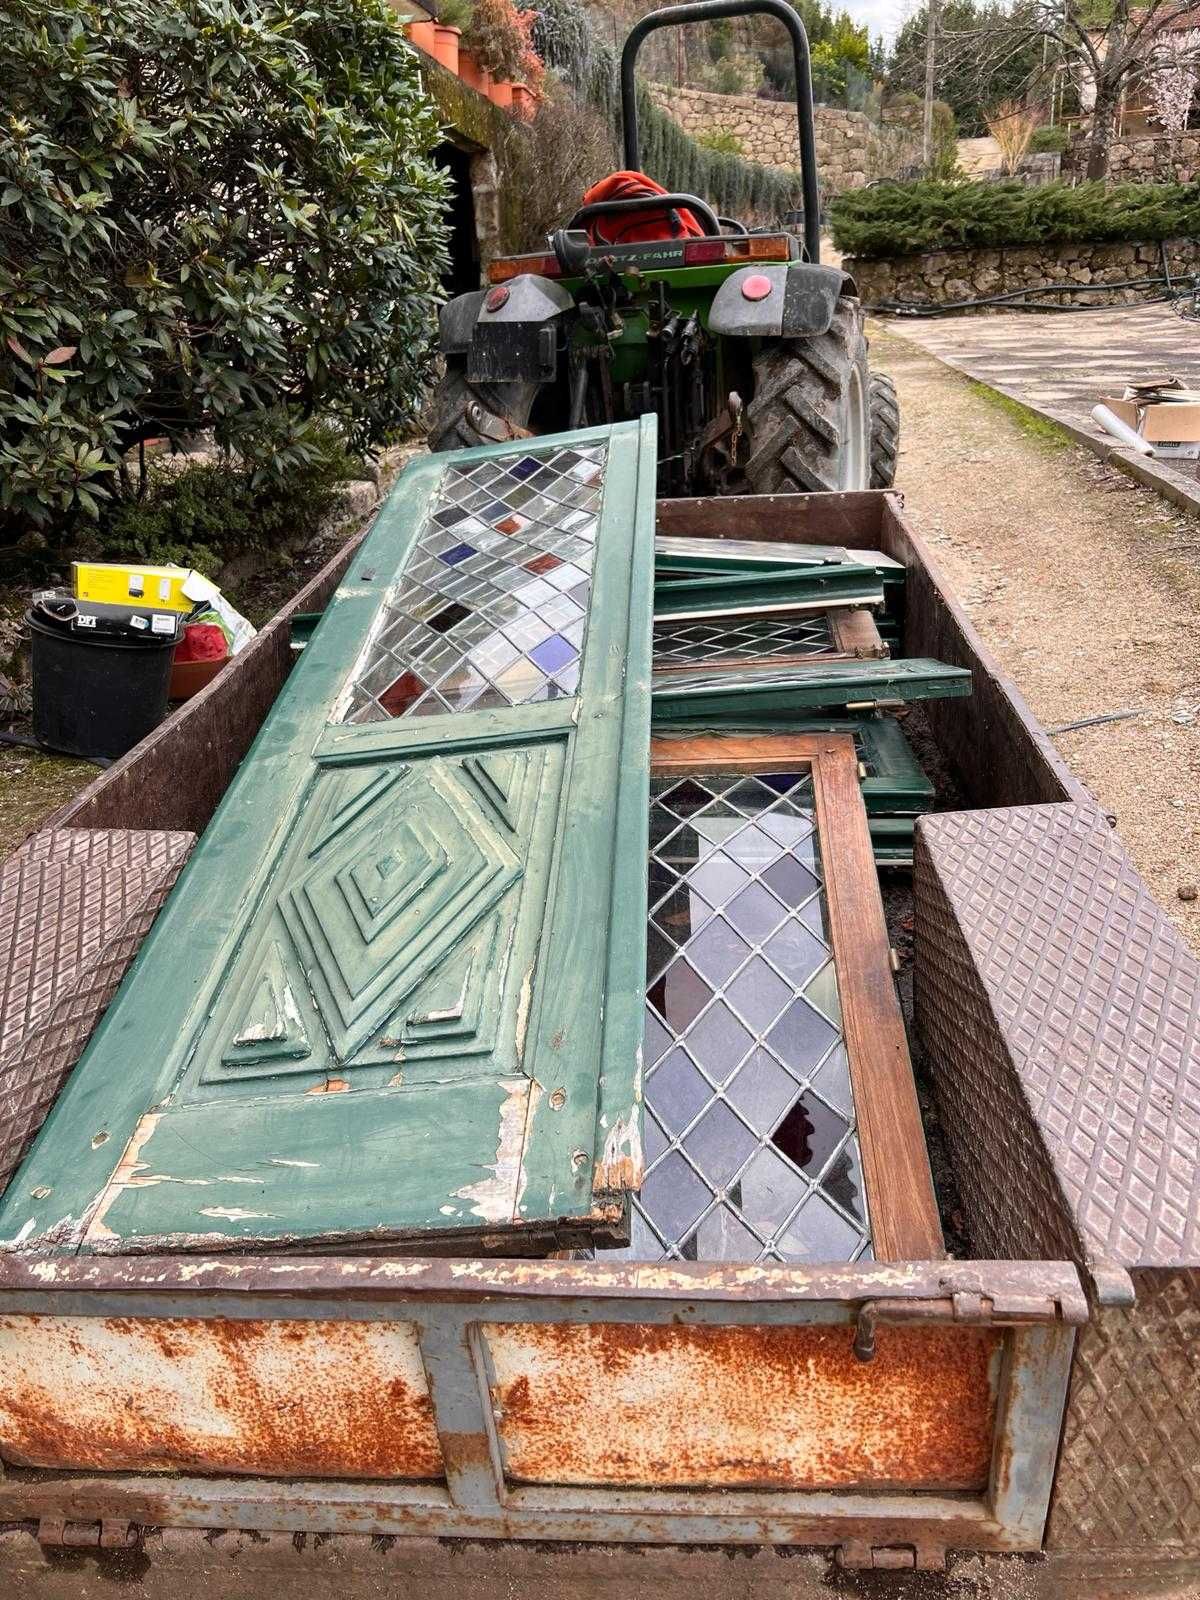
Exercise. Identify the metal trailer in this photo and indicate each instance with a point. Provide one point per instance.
(1027, 1424)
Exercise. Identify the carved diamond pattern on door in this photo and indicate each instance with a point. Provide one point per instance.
(376, 927)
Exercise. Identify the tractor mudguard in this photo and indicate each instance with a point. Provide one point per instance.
(802, 300)
(456, 322)
(515, 338)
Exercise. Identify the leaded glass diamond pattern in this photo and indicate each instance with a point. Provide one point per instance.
(731, 639)
(752, 1150)
(491, 608)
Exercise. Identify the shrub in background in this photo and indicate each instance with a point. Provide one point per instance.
(721, 139)
(1049, 140)
(213, 213)
(496, 37)
(551, 161)
(1011, 125)
(203, 514)
(894, 219)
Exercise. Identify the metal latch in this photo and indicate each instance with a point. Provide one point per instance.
(856, 1555)
(965, 1300)
(109, 1533)
(873, 705)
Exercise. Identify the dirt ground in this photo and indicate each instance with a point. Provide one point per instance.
(1086, 587)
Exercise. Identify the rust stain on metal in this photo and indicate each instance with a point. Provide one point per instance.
(769, 1407)
(329, 1086)
(303, 1398)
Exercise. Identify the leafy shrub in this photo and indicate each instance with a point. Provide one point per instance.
(737, 74)
(1049, 140)
(213, 213)
(495, 37)
(721, 139)
(204, 514)
(893, 219)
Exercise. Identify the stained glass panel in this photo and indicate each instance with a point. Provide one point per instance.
(752, 1150)
(491, 609)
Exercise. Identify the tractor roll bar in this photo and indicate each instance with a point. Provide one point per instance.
(709, 11)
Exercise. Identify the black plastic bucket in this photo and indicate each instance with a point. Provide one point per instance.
(96, 694)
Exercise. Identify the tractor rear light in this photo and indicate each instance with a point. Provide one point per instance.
(703, 252)
(742, 247)
(767, 247)
(757, 287)
(497, 297)
(506, 267)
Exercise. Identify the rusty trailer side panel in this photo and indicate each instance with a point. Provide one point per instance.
(314, 1398)
(540, 1400)
(757, 1407)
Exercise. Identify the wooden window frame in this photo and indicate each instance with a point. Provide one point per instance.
(901, 1203)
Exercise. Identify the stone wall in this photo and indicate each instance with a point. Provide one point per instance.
(1169, 158)
(943, 276)
(851, 149)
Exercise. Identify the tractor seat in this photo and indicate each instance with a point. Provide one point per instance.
(638, 224)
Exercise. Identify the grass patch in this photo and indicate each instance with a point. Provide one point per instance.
(32, 785)
(1030, 422)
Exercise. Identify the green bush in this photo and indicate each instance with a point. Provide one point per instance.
(894, 219)
(203, 515)
(213, 213)
(721, 139)
(1048, 140)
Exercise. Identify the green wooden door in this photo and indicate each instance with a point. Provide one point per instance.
(397, 993)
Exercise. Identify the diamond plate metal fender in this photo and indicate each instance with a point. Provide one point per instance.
(75, 904)
(1061, 1011)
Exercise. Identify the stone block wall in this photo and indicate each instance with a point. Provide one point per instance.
(851, 149)
(1169, 158)
(943, 276)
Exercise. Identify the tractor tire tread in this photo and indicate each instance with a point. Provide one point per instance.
(794, 417)
(885, 430)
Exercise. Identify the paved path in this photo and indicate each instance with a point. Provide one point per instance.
(1062, 365)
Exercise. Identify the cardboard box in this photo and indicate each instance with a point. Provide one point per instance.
(1173, 429)
(124, 583)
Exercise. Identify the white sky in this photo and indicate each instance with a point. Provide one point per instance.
(880, 16)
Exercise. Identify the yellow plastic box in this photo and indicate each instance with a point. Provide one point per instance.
(120, 583)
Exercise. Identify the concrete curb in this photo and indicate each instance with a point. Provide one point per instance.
(1151, 474)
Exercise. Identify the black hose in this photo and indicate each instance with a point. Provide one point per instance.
(1019, 299)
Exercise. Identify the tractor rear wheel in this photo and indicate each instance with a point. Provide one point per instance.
(808, 420)
(463, 414)
(885, 430)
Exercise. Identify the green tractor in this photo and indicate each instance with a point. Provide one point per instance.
(749, 351)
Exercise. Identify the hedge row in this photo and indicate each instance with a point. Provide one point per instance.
(566, 41)
(897, 219)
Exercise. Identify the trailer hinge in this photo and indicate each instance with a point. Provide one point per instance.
(857, 1555)
(968, 1302)
(110, 1533)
